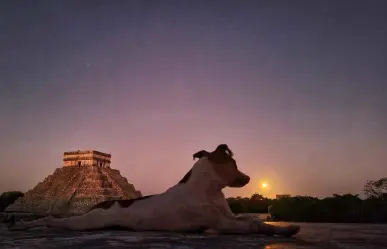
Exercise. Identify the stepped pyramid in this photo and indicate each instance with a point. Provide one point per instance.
(85, 180)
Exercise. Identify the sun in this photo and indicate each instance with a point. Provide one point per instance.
(264, 185)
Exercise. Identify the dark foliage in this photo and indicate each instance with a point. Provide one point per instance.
(346, 208)
(7, 198)
(376, 189)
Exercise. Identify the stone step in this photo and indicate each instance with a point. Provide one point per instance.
(74, 189)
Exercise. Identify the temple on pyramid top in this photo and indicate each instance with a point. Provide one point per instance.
(86, 158)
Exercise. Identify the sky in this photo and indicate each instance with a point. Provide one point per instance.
(297, 89)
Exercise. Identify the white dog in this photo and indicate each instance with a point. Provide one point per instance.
(195, 204)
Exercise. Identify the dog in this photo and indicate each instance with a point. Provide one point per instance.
(195, 204)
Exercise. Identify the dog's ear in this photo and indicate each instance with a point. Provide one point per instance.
(224, 149)
(200, 154)
(222, 154)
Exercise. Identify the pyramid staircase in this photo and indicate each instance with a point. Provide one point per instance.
(74, 190)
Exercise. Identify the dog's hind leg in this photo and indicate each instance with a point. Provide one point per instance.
(23, 225)
(95, 219)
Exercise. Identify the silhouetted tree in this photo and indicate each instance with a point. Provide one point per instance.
(7, 198)
(376, 189)
(257, 197)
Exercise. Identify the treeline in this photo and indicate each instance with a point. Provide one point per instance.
(7, 198)
(346, 208)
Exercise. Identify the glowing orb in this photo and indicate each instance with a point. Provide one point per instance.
(264, 185)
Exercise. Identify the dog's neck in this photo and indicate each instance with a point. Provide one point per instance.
(203, 180)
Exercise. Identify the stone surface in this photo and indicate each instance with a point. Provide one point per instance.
(74, 190)
(312, 236)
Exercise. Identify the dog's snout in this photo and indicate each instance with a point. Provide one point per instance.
(241, 181)
(244, 180)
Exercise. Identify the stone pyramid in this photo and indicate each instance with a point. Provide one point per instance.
(74, 189)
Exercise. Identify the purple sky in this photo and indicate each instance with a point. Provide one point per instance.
(298, 91)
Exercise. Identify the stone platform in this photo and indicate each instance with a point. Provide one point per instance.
(312, 236)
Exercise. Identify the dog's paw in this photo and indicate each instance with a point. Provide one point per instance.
(291, 230)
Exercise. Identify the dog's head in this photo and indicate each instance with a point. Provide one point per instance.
(224, 165)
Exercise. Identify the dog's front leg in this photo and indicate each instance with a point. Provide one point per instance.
(247, 217)
(253, 226)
